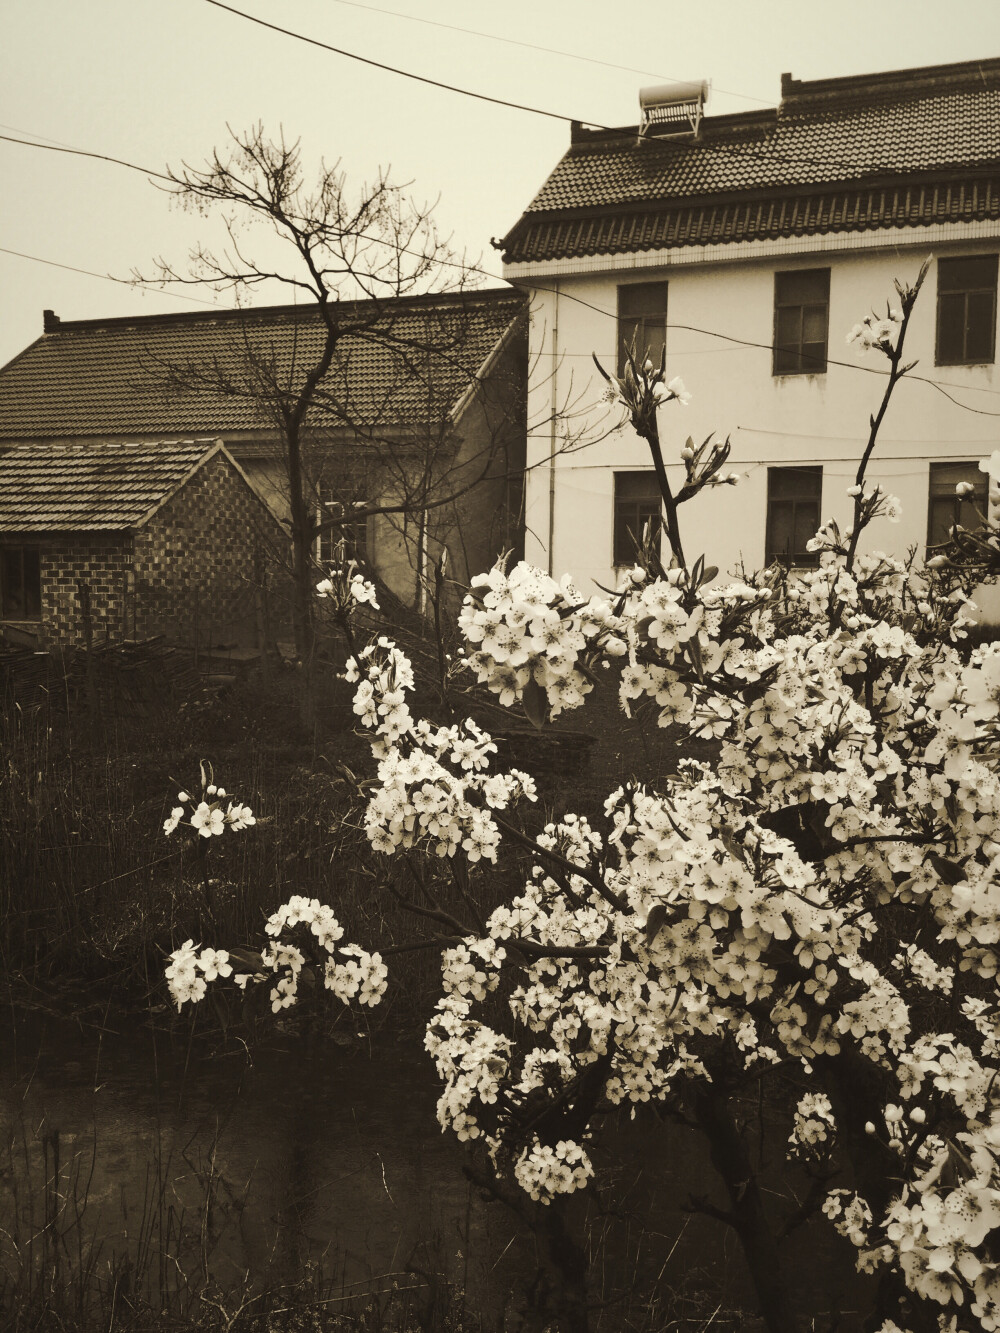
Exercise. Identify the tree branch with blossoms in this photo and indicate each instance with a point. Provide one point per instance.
(821, 896)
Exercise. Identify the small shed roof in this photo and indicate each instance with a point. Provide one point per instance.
(94, 487)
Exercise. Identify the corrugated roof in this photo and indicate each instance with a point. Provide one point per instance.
(93, 487)
(831, 140)
(212, 372)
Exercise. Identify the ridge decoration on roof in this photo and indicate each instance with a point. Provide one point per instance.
(403, 364)
(907, 148)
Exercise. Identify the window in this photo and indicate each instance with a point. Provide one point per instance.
(966, 310)
(20, 583)
(945, 508)
(793, 501)
(642, 320)
(801, 318)
(637, 502)
(348, 527)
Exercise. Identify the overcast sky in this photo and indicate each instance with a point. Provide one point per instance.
(155, 82)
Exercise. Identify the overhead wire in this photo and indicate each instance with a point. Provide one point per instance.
(81, 152)
(530, 46)
(393, 69)
(110, 277)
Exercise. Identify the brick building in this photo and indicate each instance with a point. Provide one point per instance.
(424, 400)
(123, 541)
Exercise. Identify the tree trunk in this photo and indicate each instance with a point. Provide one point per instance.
(302, 565)
(566, 1266)
(732, 1161)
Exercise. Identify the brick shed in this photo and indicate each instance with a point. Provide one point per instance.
(141, 540)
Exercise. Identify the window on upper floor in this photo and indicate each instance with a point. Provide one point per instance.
(20, 583)
(801, 321)
(642, 321)
(637, 502)
(346, 525)
(966, 310)
(945, 508)
(794, 495)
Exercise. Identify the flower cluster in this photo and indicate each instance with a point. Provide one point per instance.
(543, 1171)
(346, 587)
(349, 972)
(209, 813)
(877, 334)
(191, 968)
(533, 638)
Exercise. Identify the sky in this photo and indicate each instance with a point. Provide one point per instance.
(157, 83)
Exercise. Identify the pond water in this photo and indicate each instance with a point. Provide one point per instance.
(309, 1152)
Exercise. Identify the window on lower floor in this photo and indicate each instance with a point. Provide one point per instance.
(20, 583)
(347, 525)
(801, 319)
(945, 508)
(967, 310)
(637, 503)
(794, 495)
(642, 321)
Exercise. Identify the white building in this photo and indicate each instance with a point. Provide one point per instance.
(751, 244)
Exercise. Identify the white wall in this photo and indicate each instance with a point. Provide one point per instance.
(770, 420)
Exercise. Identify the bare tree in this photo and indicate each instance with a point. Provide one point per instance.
(387, 447)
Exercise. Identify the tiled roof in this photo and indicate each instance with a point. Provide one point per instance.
(821, 159)
(91, 488)
(202, 373)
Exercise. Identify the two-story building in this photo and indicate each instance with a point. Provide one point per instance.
(749, 245)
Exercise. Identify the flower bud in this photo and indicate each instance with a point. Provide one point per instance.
(918, 1115)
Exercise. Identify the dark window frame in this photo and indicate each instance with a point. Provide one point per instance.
(642, 311)
(26, 603)
(942, 478)
(788, 354)
(797, 509)
(632, 512)
(352, 531)
(966, 311)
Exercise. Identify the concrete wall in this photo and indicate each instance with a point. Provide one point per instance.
(486, 520)
(771, 420)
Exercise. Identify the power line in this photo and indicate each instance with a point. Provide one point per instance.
(80, 152)
(393, 69)
(108, 277)
(531, 46)
(768, 347)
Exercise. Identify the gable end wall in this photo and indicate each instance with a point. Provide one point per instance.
(208, 564)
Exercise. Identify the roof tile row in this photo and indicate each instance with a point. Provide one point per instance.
(915, 127)
(91, 488)
(224, 373)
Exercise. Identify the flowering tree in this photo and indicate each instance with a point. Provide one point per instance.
(822, 900)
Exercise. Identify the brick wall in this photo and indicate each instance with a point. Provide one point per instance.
(101, 561)
(208, 565)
